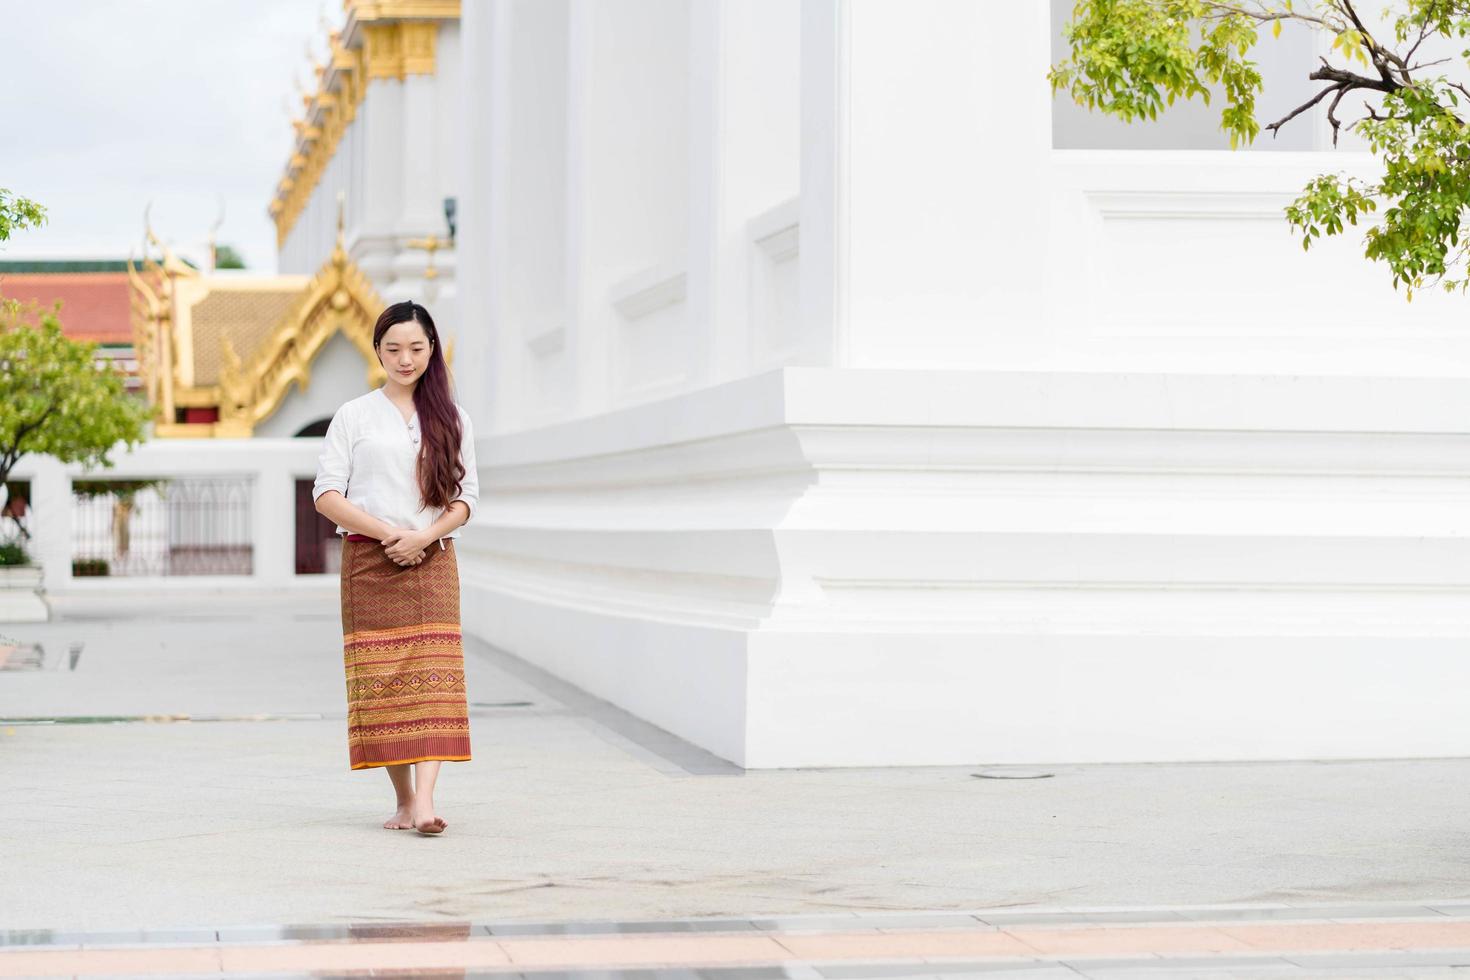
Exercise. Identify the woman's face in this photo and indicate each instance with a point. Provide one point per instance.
(404, 352)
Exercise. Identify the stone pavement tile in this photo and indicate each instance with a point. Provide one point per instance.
(1038, 972)
(987, 969)
(893, 944)
(354, 931)
(1095, 940)
(937, 838)
(44, 937)
(610, 953)
(1166, 966)
(1169, 971)
(815, 922)
(1383, 960)
(1451, 908)
(1297, 913)
(362, 956)
(1006, 920)
(102, 961)
(931, 920)
(593, 928)
(1353, 935)
(790, 972)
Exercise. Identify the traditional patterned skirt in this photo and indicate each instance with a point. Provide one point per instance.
(402, 653)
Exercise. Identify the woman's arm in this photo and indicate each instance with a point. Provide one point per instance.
(460, 509)
(406, 541)
(335, 507)
(333, 473)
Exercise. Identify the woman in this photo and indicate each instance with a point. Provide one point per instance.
(397, 475)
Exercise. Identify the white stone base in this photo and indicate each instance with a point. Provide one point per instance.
(849, 568)
(21, 596)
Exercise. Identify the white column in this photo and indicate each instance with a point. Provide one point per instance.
(380, 202)
(743, 159)
(51, 519)
(925, 190)
(825, 52)
(586, 341)
(274, 516)
(483, 349)
(420, 204)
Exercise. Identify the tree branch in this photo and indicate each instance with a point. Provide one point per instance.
(1327, 73)
(1332, 115)
(1264, 16)
(1376, 52)
(24, 430)
(1275, 127)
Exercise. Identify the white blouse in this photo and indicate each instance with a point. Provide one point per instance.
(369, 456)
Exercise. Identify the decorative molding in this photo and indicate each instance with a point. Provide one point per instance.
(652, 289)
(931, 531)
(397, 50)
(1191, 205)
(546, 339)
(365, 11)
(778, 230)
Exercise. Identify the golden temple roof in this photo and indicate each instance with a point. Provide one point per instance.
(244, 313)
(218, 353)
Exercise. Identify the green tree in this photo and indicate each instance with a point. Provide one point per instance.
(225, 257)
(17, 213)
(1133, 58)
(54, 397)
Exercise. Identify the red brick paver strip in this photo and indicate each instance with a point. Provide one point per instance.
(653, 950)
(1122, 940)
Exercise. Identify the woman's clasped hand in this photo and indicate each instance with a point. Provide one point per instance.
(405, 547)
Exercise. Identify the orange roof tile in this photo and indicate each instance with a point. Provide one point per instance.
(94, 305)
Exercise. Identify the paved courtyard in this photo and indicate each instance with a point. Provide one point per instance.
(188, 777)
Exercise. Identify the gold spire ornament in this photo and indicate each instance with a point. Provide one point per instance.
(431, 244)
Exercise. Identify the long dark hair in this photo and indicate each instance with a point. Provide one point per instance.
(440, 471)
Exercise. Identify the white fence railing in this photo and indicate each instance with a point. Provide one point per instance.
(229, 514)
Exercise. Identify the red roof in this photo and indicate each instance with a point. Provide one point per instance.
(94, 305)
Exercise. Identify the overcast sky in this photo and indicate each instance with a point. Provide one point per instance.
(107, 105)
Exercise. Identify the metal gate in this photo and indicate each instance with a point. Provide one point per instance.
(183, 525)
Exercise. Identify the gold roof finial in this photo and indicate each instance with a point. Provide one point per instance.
(339, 251)
(169, 263)
(214, 233)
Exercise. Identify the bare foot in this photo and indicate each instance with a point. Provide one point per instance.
(402, 818)
(425, 822)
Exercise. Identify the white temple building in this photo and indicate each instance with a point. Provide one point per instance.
(846, 402)
(842, 400)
